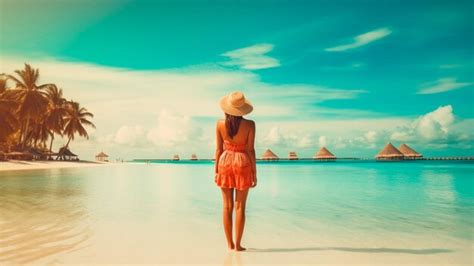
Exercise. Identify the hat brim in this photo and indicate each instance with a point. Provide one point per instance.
(246, 108)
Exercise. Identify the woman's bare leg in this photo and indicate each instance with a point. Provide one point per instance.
(228, 208)
(240, 200)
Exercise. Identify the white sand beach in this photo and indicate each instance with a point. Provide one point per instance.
(13, 165)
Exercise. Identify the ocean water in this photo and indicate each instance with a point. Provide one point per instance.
(300, 212)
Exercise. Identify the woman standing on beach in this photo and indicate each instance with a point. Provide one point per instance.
(235, 167)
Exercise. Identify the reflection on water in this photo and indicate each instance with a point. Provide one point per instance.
(160, 210)
(40, 220)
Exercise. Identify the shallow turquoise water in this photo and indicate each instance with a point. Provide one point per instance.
(426, 205)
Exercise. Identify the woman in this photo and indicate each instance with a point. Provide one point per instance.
(235, 162)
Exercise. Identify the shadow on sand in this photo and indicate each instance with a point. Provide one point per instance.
(233, 258)
(360, 250)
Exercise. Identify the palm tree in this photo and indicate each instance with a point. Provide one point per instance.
(30, 97)
(75, 120)
(8, 120)
(56, 113)
(3, 85)
(39, 132)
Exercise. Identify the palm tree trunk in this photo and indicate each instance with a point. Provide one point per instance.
(67, 144)
(22, 126)
(51, 146)
(20, 137)
(27, 123)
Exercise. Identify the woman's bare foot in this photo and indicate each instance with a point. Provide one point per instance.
(231, 245)
(240, 248)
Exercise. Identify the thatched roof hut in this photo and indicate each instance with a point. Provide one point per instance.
(389, 152)
(194, 157)
(292, 156)
(65, 154)
(269, 155)
(408, 152)
(102, 157)
(69, 153)
(324, 154)
(175, 157)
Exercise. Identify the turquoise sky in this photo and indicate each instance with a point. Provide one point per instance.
(399, 60)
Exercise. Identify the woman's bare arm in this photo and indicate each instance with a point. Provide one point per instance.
(251, 150)
(219, 148)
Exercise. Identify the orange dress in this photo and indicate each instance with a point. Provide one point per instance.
(235, 167)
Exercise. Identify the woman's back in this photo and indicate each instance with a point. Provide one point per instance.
(244, 133)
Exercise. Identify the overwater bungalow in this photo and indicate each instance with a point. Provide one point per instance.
(292, 156)
(409, 153)
(194, 157)
(101, 157)
(389, 153)
(175, 157)
(269, 155)
(324, 155)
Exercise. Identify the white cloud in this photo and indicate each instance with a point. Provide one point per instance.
(274, 137)
(322, 141)
(306, 141)
(129, 135)
(371, 136)
(438, 129)
(434, 130)
(435, 124)
(362, 40)
(252, 57)
(285, 134)
(442, 85)
(304, 93)
(340, 143)
(287, 139)
(402, 136)
(433, 127)
(173, 129)
(106, 139)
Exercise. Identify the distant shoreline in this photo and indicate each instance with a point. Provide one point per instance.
(451, 158)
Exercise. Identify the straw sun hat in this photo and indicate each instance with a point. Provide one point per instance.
(236, 104)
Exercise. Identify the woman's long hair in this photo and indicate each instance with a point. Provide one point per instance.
(232, 124)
